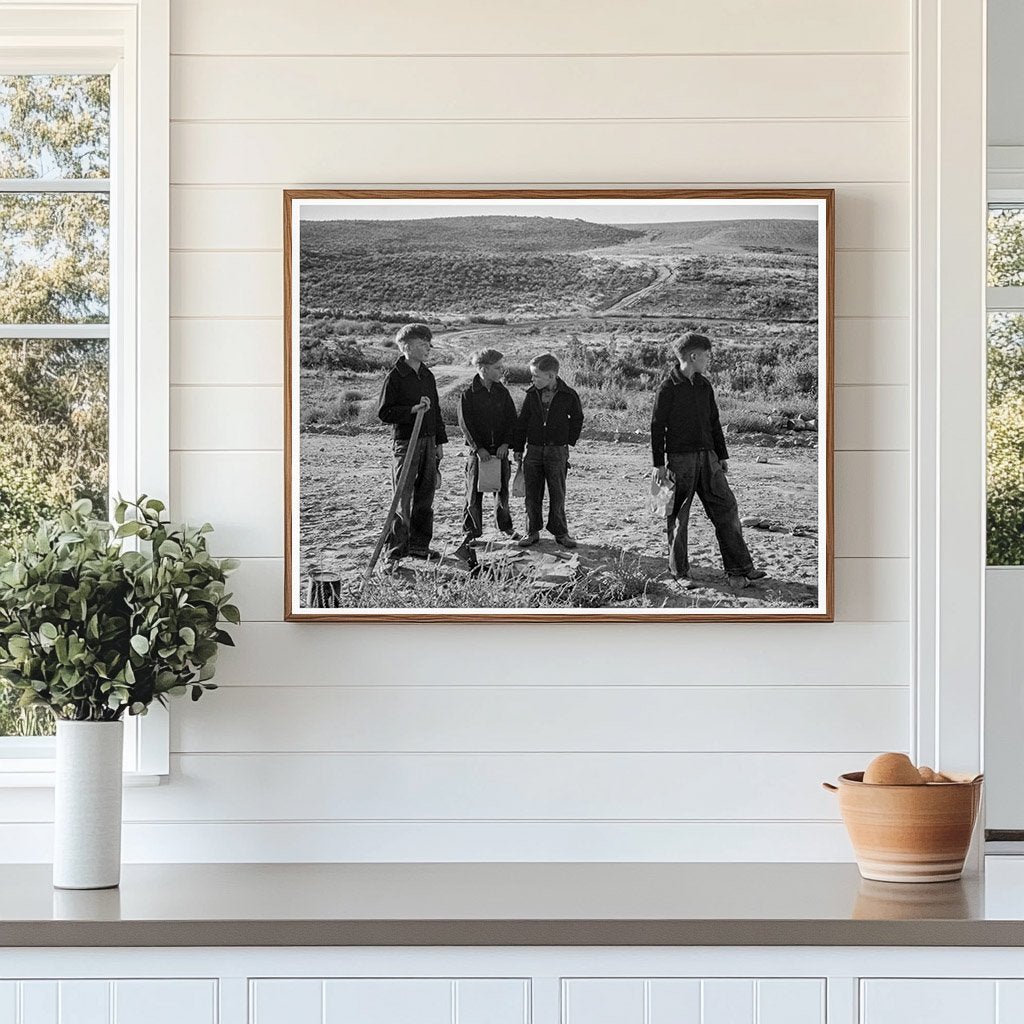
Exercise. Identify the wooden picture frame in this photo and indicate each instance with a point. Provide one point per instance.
(607, 280)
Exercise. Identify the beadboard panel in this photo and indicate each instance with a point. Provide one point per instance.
(868, 351)
(549, 151)
(938, 1001)
(465, 26)
(233, 352)
(693, 1000)
(460, 787)
(793, 654)
(867, 589)
(247, 284)
(286, 88)
(389, 1000)
(212, 418)
(122, 1001)
(241, 493)
(463, 842)
(531, 719)
(872, 216)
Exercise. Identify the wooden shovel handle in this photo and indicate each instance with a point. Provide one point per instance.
(403, 477)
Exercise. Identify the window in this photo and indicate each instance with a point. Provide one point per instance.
(54, 309)
(1005, 478)
(84, 123)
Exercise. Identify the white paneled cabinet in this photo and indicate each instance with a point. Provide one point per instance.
(389, 1001)
(693, 1001)
(935, 1001)
(106, 1001)
(513, 985)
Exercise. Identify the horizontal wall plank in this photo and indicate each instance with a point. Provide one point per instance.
(873, 589)
(578, 151)
(873, 350)
(465, 26)
(372, 719)
(872, 418)
(239, 492)
(238, 352)
(250, 418)
(760, 654)
(452, 842)
(867, 589)
(259, 787)
(258, 586)
(527, 88)
(873, 284)
(250, 216)
(237, 418)
(872, 504)
(249, 284)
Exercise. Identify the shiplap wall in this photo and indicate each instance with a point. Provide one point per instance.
(436, 742)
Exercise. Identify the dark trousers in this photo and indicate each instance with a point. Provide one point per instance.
(413, 527)
(473, 514)
(701, 473)
(548, 465)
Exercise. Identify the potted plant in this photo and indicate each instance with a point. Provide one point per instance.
(93, 629)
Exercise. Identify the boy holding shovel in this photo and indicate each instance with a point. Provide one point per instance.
(409, 387)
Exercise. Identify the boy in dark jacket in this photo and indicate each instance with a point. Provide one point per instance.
(549, 424)
(686, 432)
(487, 416)
(408, 387)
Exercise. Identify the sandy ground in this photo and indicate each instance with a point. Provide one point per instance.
(346, 491)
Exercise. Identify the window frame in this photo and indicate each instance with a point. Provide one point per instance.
(130, 41)
(1002, 299)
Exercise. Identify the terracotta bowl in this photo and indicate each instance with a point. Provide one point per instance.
(909, 833)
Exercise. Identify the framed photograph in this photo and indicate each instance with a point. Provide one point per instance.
(564, 405)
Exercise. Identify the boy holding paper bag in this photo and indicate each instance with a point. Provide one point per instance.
(487, 416)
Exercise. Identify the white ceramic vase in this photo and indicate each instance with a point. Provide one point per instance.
(87, 805)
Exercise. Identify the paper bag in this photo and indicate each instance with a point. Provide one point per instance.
(488, 475)
(519, 483)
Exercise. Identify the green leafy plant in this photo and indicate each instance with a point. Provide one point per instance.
(92, 630)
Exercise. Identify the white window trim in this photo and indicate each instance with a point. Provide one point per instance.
(131, 41)
(1006, 173)
(949, 321)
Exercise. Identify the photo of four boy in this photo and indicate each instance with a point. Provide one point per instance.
(688, 451)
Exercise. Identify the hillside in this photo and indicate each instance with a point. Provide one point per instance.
(461, 234)
(798, 235)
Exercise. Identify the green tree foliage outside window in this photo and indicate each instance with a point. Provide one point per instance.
(54, 270)
(1005, 485)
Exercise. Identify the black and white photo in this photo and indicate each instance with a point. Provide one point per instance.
(559, 405)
